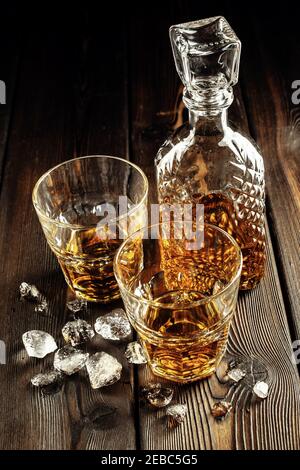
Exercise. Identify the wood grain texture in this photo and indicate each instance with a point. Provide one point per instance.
(260, 326)
(65, 105)
(273, 64)
(76, 94)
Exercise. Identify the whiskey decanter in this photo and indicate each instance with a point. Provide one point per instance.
(207, 161)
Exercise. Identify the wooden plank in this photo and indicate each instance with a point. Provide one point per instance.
(273, 65)
(260, 326)
(70, 100)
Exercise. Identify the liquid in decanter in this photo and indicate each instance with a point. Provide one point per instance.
(207, 161)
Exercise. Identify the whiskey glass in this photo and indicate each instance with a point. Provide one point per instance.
(180, 300)
(87, 206)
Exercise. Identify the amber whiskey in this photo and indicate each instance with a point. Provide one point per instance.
(185, 361)
(219, 210)
(87, 264)
(188, 311)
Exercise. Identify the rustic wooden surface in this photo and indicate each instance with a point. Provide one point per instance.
(274, 121)
(80, 87)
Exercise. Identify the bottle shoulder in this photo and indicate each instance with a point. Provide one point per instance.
(233, 144)
(229, 163)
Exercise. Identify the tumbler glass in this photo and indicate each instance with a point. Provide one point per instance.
(87, 207)
(180, 299)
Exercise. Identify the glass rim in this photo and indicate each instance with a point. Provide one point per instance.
(195, 303)
(41, 213)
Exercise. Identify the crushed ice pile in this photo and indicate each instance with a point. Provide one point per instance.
(104, 370)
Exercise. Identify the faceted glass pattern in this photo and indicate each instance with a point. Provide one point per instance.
(207, 161)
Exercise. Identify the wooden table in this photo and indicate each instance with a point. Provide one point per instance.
(83, 83)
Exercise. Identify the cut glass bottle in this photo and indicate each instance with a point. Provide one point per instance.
(207, 160)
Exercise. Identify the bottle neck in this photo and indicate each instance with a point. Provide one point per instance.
(208, 108)
(208, 124)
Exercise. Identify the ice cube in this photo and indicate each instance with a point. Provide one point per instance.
(261, 389)
(157, 395)
(236, 374)
(42, 305)
(38, 343)
(77, 332)
(76, 305)
(135, 354)
(103, 369)
(114, 325)
(29, 291)
(252, 369)
(46, 378)
(49, 382)
(70, 360)
(177, 412)
(221, 409)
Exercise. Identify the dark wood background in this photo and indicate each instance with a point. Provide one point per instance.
(93, 81)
